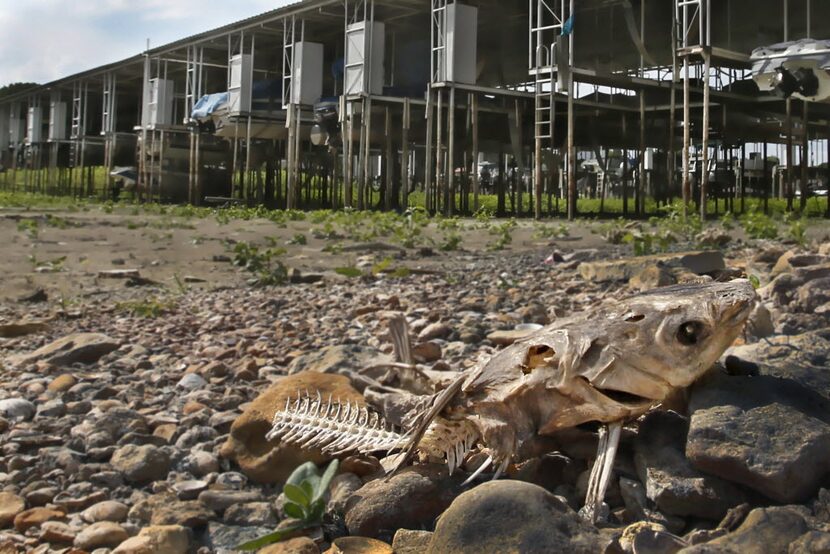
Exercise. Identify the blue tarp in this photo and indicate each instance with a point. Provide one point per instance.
(209, 104)
(269, 89)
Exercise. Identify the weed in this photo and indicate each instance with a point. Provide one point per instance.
(151, 308)
(796, 229)
(298, 239)
(29, 226)
(645, 243)
(503, 234)
(265, 267)
(47, 266)
(758, 225)
(544, 231)
(304, 493)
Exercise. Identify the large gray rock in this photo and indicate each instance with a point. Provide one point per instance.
(767, 530)
(412, 499)
(512, 516)
(83, 348)
(803, 358)
(814, 294)
(626, 268)
(769, 434)
(671, 482)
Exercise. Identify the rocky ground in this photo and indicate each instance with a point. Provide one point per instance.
(132, 418)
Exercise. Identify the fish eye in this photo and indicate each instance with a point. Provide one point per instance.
(690, 333)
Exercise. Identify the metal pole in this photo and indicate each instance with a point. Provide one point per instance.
(449, 200)
(348, 147)
(789, 170)
(476, 184)
(440, 183)
(704, 178)
(407, 115)
(428, 159)
(687, 138)
(827, 212)
(367, 177)
(572, 196)
(805, 157)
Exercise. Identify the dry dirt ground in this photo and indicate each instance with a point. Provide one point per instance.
(195, 251)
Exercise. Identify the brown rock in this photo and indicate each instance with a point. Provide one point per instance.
(34, 517)
(192, 407)
(21, 329)
(85, 348)
(768, 530)
(108, 510)
(141, 464)
(624, 269)
(299, 545)
(62, 383)
(157, 539)
(427, 352)
(10, 506)
(166, 431)
(57, 532)
(166, 509)
(105, 534)
(512, 516)
(783, 264)
(358, 545)
(652, 277)
(407, 541)
(214, 369)
(411, 499)
(266, 461)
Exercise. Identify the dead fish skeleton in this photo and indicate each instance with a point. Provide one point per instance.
(608, 365)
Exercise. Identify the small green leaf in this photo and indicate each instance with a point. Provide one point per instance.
(316, 511)
(296, 494)
(271, 538)
(308, 488)
(304, 472)
(755, 282)
(325, 480)
(294, 510)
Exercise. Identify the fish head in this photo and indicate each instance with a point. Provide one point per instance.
(677, 333)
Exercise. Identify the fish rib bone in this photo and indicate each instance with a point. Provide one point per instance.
(330, 426)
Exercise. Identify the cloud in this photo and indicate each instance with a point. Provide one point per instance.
(44, 40)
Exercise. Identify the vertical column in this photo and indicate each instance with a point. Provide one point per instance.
(405, 124)
(704, 177)
(805, 158)
(476, 183)
(788, 186)
(449, 199)
(572, 193)
(687, 138)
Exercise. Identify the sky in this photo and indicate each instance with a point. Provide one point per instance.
(43, 40)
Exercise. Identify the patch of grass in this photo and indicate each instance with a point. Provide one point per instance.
(298, 239)
(29, 226)
(758, 225)
(550, 231)
(151, 308)
(796, 229)
(263, 264)
(503, 233)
